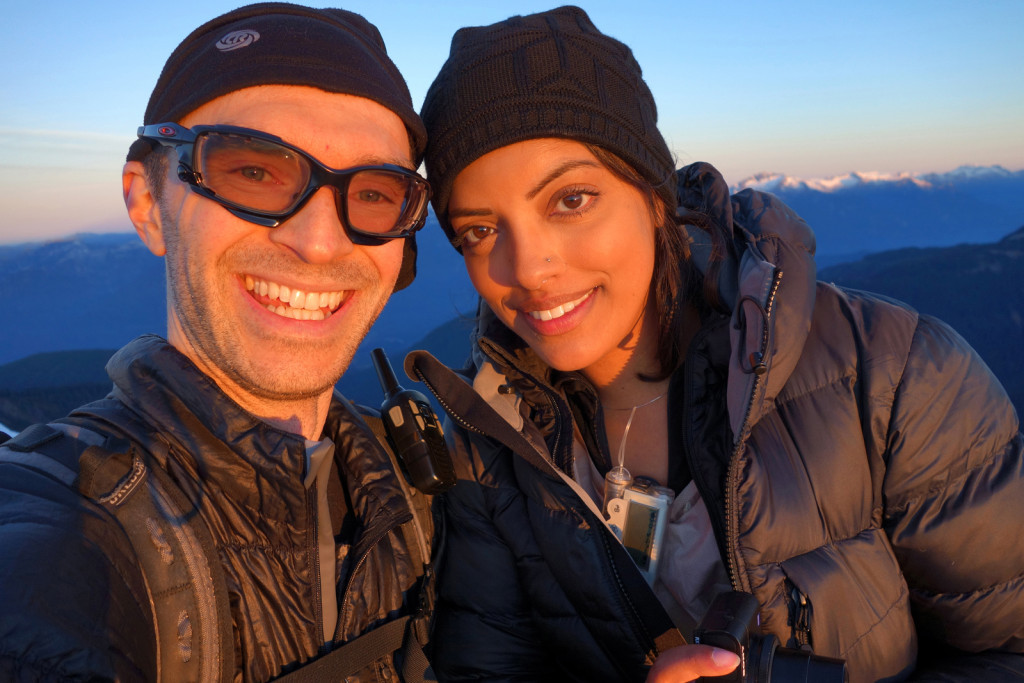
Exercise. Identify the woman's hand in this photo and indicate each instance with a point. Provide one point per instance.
(690, 662)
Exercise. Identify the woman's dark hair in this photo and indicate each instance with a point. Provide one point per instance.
(676, 280)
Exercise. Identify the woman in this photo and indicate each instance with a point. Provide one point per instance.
(836, 455)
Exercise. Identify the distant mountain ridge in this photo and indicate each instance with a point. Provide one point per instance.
(861, 213)
(99, 291)
(978, 289)
(975, 288)
(91, 291)
(774, 182)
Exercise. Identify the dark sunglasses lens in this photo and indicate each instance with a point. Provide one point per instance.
(382, 201)
(251, 173)
(265, 177)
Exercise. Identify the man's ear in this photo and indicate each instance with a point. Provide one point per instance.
(143, 208)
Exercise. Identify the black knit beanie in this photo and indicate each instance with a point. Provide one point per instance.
(551, 74)
(278, 43)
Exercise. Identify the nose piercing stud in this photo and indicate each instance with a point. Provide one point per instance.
(548, 259)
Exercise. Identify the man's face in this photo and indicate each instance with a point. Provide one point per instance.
(232, 284)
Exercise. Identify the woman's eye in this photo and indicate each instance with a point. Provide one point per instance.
(475, 235)
(574, 202)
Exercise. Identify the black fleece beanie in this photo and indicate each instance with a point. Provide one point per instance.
(551, 74)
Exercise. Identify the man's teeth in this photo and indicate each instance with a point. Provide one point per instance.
(558, 311)
(294, 303)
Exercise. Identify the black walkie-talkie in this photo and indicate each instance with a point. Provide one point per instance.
(413, 431)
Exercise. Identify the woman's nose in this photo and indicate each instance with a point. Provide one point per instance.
(535, 264)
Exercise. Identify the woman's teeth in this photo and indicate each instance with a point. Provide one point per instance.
(558, 311)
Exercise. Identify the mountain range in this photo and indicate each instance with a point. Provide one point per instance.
(945, 243)
(861, 213)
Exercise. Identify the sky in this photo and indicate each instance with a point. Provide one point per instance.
(809, 89)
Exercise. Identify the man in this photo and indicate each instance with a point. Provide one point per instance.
(222, 514)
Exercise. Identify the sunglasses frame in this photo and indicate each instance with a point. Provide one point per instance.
(183, 140)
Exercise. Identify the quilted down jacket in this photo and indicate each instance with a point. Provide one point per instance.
(863, 471)
(71, 603)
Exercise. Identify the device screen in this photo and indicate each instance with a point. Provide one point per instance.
(638, 535)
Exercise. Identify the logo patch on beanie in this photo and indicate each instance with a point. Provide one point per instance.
(237, 39)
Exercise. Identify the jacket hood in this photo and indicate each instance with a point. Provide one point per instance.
(768, 284)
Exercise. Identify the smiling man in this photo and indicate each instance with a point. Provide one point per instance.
(223, 514)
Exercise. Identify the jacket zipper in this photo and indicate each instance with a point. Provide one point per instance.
(313, 548)
(390, 524)
(459, 420)
(740, 580)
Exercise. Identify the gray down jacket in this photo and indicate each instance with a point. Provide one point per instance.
(72, 605)
(863, 469)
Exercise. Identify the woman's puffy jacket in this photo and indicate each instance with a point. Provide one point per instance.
(862, 467)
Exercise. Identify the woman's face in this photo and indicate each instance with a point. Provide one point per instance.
(562, 250)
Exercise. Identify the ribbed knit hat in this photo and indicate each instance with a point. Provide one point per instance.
(551, 74)
(279, 43)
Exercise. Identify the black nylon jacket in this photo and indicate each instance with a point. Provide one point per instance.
(70, 600)
(860, 485)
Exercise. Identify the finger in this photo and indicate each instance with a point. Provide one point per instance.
(690, 662)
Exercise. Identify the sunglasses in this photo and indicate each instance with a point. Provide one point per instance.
(264, 180)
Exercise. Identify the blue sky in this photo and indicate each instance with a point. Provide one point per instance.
(810, 89)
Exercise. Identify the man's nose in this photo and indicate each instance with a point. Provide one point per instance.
(315, 234)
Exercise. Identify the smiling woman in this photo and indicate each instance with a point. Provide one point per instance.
(557, 252)
(634, 309)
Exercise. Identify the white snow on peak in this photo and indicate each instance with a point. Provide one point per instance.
(773, 182)
(969, 172)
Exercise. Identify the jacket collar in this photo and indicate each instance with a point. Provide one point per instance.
(769, 284)
(256, 464)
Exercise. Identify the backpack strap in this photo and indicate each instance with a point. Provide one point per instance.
(42, 448)
(185, 583)
(355, 655)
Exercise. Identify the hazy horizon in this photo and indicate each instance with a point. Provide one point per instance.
(799, 88)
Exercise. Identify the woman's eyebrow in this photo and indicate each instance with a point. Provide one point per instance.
(464, 213)
(564, 168)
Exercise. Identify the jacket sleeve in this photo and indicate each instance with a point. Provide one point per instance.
(483, 629)
(954, 507)
(67, 609)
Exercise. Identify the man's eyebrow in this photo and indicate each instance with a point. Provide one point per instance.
(564, 168)
(372, 160)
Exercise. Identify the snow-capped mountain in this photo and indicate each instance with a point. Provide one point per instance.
(772, 182)
(860, 213)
